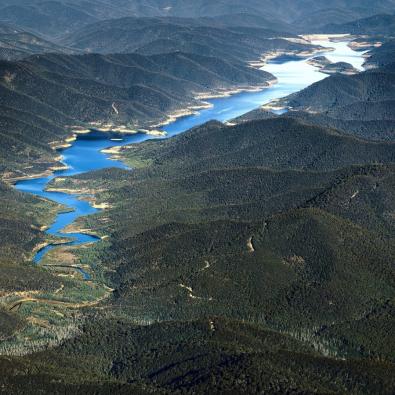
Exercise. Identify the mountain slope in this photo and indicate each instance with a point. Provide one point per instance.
(276, 222)
(338, 91)
(280, 143)
(360, 105)
(47, 17)
(383, 55)
(45, 96)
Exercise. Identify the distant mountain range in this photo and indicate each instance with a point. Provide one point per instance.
(159, 35)
(17, 44)
(382, 24)
(199, 26)
(55, 18)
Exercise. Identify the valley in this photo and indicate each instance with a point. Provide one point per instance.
(194, 200)
(86, 153)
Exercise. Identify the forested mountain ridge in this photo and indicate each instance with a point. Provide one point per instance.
(339, 91)
(268, 220)
(48, 95)
(360, 105)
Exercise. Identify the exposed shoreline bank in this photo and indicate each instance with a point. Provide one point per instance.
(203, 97)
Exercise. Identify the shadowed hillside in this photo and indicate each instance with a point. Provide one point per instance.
(44, 96)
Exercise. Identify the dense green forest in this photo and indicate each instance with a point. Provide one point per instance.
(294, 240)
(252, 256)
(360, 105)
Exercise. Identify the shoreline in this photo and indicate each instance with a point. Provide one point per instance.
(171, 117)
(67, 143)
(275, 54)
(100, 127)
(231, 92)
(329, 36)
(122, 129)
(174, 116)
(298, 55)
(47, 173)
(280, 104)
(202, 97)
(325, 66)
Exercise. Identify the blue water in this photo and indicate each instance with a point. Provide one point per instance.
(85, 154)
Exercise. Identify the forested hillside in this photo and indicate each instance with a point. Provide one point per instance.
(249, 256)
(273, 222)
(44, 97)
(360, 105)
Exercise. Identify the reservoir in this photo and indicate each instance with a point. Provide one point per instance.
(86, 154)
